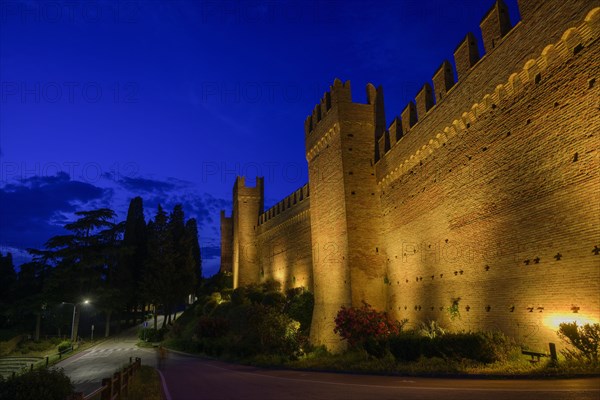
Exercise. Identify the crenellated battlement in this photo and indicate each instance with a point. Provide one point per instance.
(338, 93)
(335, 107)
(290, 201)
(532, 72)
(242, 190)
(494, 26)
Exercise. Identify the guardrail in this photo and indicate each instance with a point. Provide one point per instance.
(116, 387)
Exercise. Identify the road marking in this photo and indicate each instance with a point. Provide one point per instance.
(164, 384)
(410, 387)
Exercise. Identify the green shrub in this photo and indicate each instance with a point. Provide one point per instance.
(211, 327)
(238, 296)
(431, 329)
(209, 306)
(485, 347)
(279, 334)
(408, 346)
(47, 384)
(300, 308)
(222, 310)
(152, 334)
(64, 346)
(274, 299)
(585, 340)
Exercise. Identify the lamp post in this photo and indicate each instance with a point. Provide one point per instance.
(73, 320)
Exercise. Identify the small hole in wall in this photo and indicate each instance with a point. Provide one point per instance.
(487, 267)
(376, 249)
(484, 149)
(468, 307)
(511, 308)
(494, 106)
(350, 135)
(350, 173)
(468, 125)
(558, 256)
(432, 308)
(591, 83)
(576, 157)
(556, 104)
(441, 275)
(528, 121)
(538, 78)
(508, 134)
(488, 308)
(350, 149)
(353, 193)
(578, 48)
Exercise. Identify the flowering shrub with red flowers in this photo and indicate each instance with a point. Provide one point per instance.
(363, 325)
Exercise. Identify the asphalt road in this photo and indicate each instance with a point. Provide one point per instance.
(193, 378)
(88, 368)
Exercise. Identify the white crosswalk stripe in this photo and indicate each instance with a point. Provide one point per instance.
(107, 352)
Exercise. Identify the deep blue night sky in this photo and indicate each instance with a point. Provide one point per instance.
(101, 101)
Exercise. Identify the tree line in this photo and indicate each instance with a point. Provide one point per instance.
(125, 268)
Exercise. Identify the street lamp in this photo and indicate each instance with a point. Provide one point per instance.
(73, 320)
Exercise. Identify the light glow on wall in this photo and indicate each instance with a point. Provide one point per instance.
(552, 321)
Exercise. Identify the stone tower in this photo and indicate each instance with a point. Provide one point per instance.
(348, 261)
(248, 203)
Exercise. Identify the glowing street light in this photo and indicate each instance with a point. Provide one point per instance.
(86, 301)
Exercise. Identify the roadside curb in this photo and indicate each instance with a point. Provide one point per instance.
(391, 374)
(165, 389)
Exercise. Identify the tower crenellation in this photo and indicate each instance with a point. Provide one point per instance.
(494, 25)
(466, 55)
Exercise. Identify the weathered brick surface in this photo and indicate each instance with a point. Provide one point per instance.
(284, 242)
(490, 198)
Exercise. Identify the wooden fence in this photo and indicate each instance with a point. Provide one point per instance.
(116, 387)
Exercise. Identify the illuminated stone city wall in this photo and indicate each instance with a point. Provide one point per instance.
(484, 193)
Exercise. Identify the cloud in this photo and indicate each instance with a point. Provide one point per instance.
(144, 185)
(34, 209)
(210, 252)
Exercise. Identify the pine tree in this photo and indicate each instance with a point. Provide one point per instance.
(135, 243)
(8, 281)
(159, 277)
(81, 259)
(191, 233)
